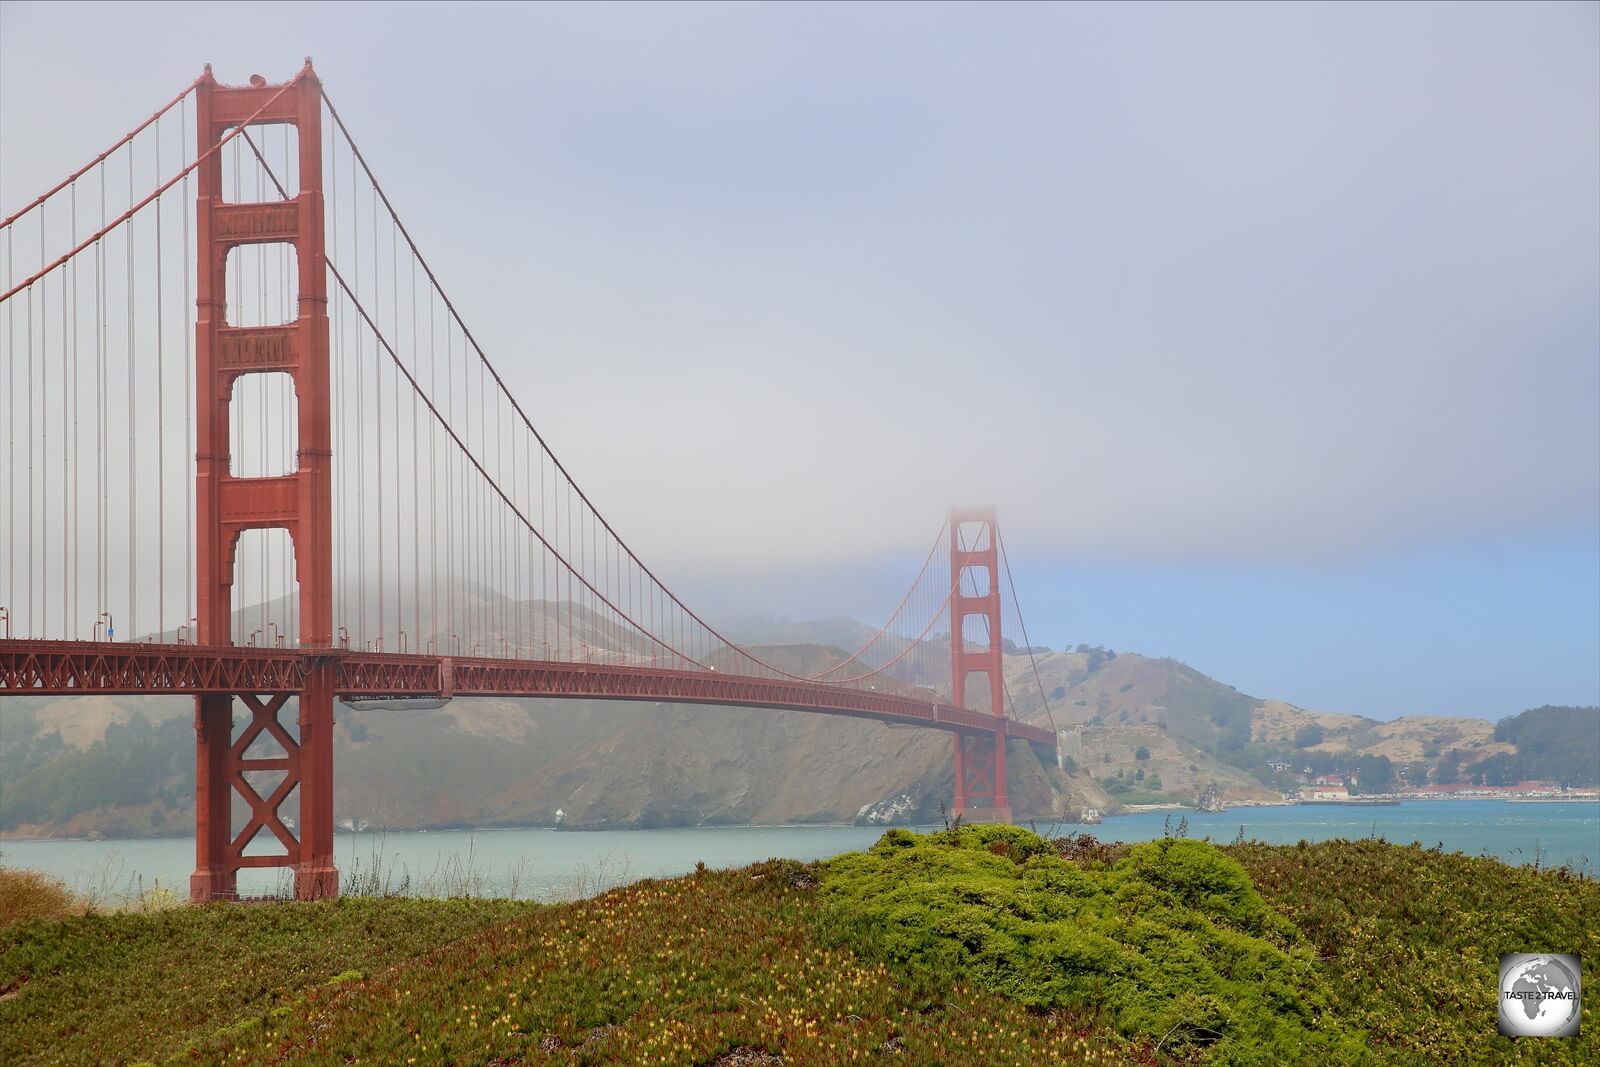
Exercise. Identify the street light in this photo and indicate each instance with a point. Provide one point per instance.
(252, 641)
(6, 613)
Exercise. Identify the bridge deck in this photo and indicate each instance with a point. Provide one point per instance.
(79, 668)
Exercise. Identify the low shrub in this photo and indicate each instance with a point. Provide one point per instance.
(1173, 941)
(28, 895)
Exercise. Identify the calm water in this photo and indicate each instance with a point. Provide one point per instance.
(553, 864)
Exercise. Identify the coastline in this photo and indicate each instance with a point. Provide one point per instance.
(1384, 800)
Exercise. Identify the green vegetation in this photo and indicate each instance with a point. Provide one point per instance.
(1374, 774)
(1410, 941)
(977, 946)
(1172, 941)
(1309, 736)
(136, 763)
(1557, 744)
(126, 986)
(28, 895)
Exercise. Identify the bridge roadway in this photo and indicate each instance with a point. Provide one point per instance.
(79, 668)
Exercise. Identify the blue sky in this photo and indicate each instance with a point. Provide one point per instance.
(1271, 331)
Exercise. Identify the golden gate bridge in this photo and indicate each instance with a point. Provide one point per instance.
(247, 428)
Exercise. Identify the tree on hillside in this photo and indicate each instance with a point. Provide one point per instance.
(1449, 770)
(1320, 763)
(1498, 769)
(1558, 744)
(1141, 753)
(1374, 774)
(1309, 736)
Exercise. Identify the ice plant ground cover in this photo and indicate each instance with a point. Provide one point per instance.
(977, 946)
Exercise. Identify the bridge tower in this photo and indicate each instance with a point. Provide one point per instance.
(980, 759)
(299, 502)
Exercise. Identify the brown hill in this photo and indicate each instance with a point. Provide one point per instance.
(1134, 730)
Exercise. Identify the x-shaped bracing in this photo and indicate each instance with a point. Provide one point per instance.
(264, 813)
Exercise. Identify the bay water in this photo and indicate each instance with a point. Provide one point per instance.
(560, 864)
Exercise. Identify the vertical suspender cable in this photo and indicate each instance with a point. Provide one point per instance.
(361, 411)
(11, 420)
(101, 371)
(133, 424)
(449, 482)
(44, 440)
(31, 432)
(69, 426)
(399, 493)
(416, 478)
(377, 426)
(433, 484)
(161, 420)
(188, 386)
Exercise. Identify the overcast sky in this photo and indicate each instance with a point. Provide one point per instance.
(1272, 332)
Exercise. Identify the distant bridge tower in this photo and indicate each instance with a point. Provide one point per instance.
(975, 657)
(299, 502)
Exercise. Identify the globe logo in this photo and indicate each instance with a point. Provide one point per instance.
(1540, 995)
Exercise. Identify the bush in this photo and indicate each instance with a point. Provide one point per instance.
(1141, 753)
(1309, 735)
(1172, 942)
(28, 895)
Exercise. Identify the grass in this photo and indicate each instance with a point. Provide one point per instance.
(1410, 940)
(1354, 951)
(695, 970)
(28, 895)
(119, 987)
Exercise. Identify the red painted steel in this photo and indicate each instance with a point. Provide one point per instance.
(80, 668)
(300, 502)
(315, 673)
(980, 761)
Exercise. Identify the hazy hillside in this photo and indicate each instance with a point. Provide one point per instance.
(1134, 730)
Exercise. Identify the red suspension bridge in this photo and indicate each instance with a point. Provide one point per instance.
(247, 428)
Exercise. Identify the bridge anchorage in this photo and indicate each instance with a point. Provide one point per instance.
(484, 569)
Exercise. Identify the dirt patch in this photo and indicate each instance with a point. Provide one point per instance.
(745, 1056)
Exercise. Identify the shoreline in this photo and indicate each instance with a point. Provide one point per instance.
(1390, 800)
